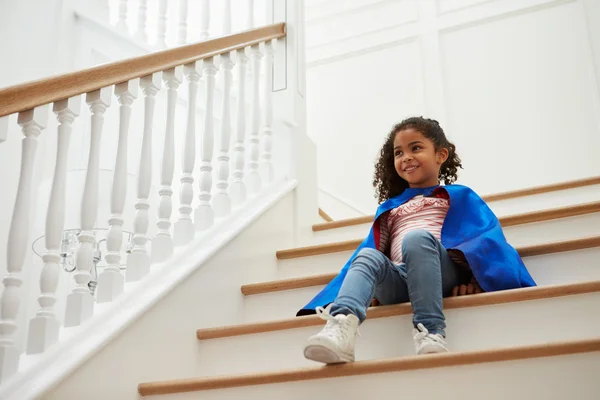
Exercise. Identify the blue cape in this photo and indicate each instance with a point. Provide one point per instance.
(470, 227)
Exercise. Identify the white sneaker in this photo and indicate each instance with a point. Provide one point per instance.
(335, 343)
(427, 343)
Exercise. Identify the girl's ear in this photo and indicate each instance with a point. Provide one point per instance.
(442, 155)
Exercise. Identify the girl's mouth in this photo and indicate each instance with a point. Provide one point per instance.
(410, 170)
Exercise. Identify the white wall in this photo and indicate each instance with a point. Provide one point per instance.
(514, 83)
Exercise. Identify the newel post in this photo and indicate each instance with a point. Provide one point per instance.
(289, 107)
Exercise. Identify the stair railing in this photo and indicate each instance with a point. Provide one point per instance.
(130, 81)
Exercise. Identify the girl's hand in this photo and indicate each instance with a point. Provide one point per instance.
(375, 303)
(472, 288)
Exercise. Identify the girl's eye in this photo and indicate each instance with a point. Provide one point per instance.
(417, 148)
(397, 153)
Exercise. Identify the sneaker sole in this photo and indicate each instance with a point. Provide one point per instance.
(432, 350)
(320, 353)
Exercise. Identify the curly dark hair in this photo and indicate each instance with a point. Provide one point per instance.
(386, 180)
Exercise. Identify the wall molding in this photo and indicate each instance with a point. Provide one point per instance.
(363, 50)
(448, 22)
(536, 5)
(347, 11)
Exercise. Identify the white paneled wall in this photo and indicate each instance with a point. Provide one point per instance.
(508, 80)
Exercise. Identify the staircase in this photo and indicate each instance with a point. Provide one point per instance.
(537, 342)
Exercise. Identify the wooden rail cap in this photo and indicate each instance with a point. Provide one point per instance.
(373, 367)
(473, 300)
(32, 94)
(494, 197)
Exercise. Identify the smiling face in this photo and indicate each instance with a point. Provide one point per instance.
(416, 160)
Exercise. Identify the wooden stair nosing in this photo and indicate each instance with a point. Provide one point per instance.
(287, 284)
(510, 220)
(373, 366)
(555, 187)
(473, 300)
(325, 216)
(323, 279)
(318, 249)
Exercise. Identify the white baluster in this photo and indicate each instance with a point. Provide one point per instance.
(222, 202)
(226, 17)
(204, 216)
(44, 327)
(253, 178)
(80, 302)
(266, 165)
(250, 25)
(184, 227)
(138, 261)
(162, 244)
(161, 38)
(122, 17)
(238, 187)
(103, 7)
(204, 19)
(250, 14)
(142, 16)
(32, 123)
(3, 128)
(183, 16)
(111, 281)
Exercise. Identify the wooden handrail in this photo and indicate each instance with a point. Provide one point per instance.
(28, 95)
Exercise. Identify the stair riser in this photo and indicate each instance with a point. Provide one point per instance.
(558, 268)
(550, 378)
(518, 235)
(476, 328)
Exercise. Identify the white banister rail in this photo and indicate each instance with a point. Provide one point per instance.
(80, 302)
(183, 24)
(78, 244)
(204, 215)
(266, 165)
(122, 16)
(32, 123)
(43, 328)
(162, 244)
(161, 39)
(140, 33)
(184, 227)
(204, 19)
(254, 181)
(238, 186)
(221, 201)
(138, 262)
(111, 281)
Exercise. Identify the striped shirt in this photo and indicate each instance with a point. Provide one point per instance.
(419, 213)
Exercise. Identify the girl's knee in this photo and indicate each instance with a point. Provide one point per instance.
(414, 239)
(370, 259)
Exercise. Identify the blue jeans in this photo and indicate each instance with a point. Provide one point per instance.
(426, 275)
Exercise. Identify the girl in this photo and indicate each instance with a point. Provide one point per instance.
(426, 240)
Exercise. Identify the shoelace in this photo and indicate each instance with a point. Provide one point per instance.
(424, 334)
(324, 313)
